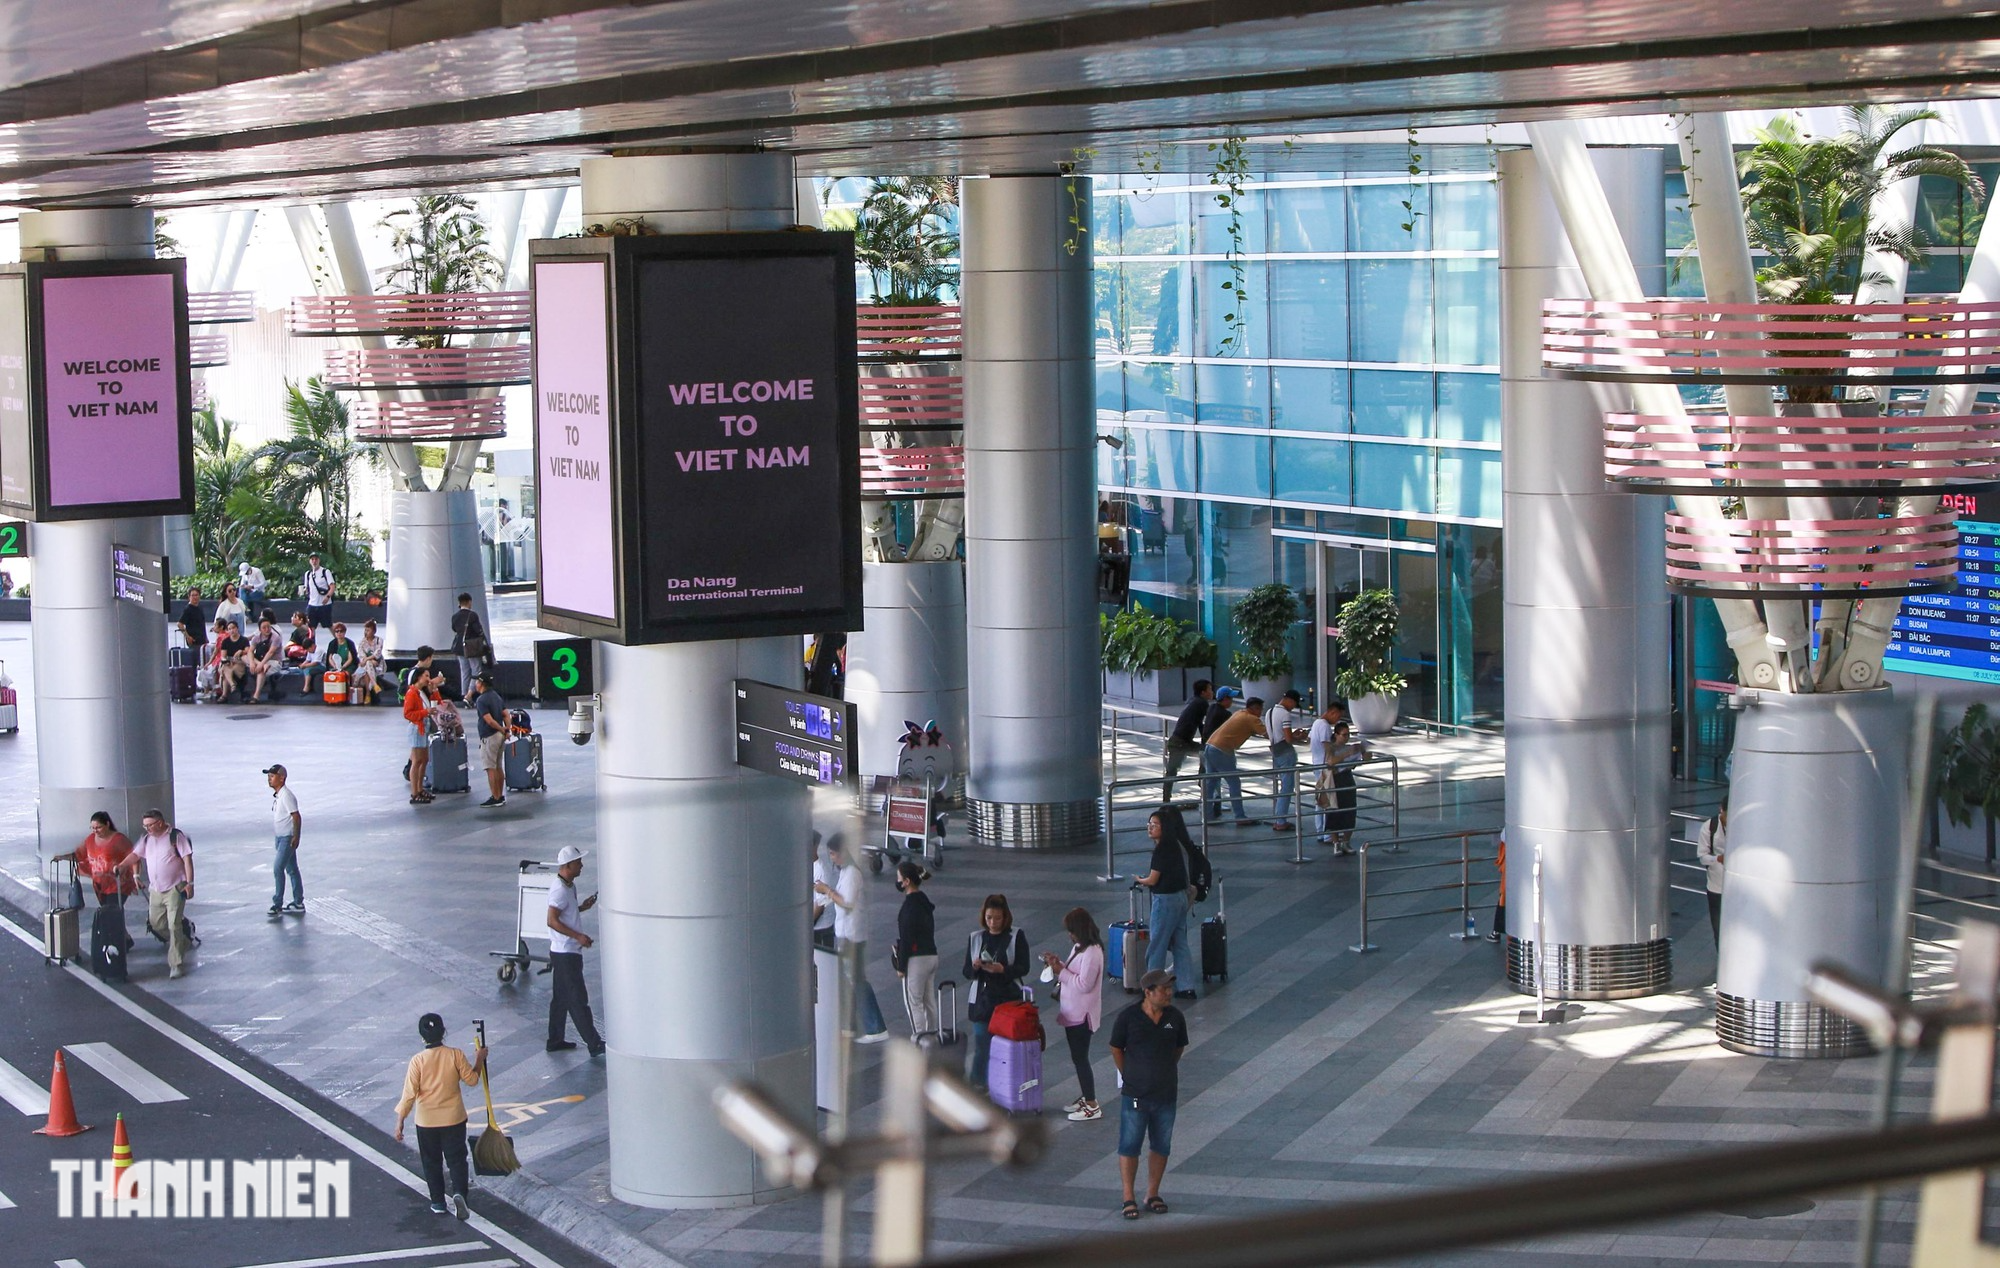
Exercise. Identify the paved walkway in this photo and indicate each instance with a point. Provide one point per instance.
(1315, 1073)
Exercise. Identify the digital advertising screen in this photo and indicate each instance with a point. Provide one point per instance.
(1956, 633)
(577, 528)
(17, 444)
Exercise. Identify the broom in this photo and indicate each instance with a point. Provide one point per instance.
(492, 1153)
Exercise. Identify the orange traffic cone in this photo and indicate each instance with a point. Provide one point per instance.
(121, 1156)
(62, 1107)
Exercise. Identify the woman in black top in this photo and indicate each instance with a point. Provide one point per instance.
(996, 962)
(914, 953)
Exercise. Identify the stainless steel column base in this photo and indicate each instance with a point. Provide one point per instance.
(1577, 972)
(1027, 825)
(1785, 1028)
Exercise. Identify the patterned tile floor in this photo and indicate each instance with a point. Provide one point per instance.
(1316, 1074)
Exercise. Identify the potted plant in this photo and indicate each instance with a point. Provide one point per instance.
(1151, 659)
(1263, 619)
(1365, 629)
(1968, 772)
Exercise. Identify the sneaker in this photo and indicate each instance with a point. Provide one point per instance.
(560, 1045)
(1247, 823)
(297, 908)
(1085, 1114)
(459, 1208)
(275, 909)
(1281, 827)
(174, 973)
(494, 801)
(439, 1208)
(880, 1036)
(1325, 838)
(1075, 1105)
(1494, 936)
(1343, 849)
(598, 1051)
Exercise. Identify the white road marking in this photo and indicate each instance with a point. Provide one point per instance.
(136, 1080)
(399, 1172)
(6, 1203)
(69, 1263)
(385, 1256)
(22, 1092)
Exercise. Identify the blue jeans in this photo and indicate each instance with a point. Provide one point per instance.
(868, 1009)
(1220, 763)
(982, 1048)
(286, 863)
(1167, 923)
(253, 606)
(1285, 760)
(1138, 1120)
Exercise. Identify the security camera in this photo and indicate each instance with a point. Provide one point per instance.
(582, 718)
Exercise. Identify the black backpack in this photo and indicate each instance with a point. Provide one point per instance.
(1200, 875)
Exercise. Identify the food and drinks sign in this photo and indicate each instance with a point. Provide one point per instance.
(95, 415)
(697, 436)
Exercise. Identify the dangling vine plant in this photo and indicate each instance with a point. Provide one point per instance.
(1232, 169)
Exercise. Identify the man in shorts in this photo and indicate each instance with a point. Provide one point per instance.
(1146, 1044)
(492, 711)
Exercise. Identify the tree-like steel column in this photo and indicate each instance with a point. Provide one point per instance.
(705, 946)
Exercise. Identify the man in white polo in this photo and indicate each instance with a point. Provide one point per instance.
(569, 997)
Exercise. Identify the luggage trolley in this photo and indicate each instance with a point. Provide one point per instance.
(531, 920)
(913, 823)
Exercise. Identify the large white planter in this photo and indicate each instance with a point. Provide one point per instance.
(1266, 689)
(1375, 714)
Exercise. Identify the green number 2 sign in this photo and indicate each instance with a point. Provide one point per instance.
(13, 540)
(565, 677)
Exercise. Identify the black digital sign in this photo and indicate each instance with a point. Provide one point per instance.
(795, 734)
(722, 451)
(1955, 633)
(139, 577)
(14, 540)
(564, 667)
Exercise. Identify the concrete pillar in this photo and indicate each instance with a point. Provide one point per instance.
(1815, 814)
(103, 738)
(705, 946)
(907, 662)
(434, 557)
(1587, 622)
(1031, 510)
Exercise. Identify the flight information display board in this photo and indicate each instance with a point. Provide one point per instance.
(1956, 633)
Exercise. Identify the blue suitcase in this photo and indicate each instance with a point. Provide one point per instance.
(446, 773)
(1126, 948)
(1014, 1075)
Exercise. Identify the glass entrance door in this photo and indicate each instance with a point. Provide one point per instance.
(1347, 570)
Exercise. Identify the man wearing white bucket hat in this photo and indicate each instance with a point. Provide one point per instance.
(570, 998)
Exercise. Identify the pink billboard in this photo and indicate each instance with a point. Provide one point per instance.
(111, 389)
(573, 494)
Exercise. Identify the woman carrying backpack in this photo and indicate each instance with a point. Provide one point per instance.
(1079, 980)
(914, 953)
(996, 962)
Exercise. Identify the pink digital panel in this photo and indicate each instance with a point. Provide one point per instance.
(573, 494)
(112, 389)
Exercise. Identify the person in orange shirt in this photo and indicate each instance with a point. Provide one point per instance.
(1218, 758)
(416, 714)
(98, 857)
(430, 1087)
(1499, 929)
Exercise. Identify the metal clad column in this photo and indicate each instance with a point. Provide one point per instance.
(705, 945)
(1587, 620)
(1031, 510)
(103, 738)
(433, 558)
(907, 663)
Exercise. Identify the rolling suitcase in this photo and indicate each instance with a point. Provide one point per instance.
(447, 768)
(60, 941)
(947, 1014)
(333, 687)
(181, 663)
(1125, 952)
(1014, 1075)
(522, 756)
(10, 704)
(1215, 940)
(108, 939)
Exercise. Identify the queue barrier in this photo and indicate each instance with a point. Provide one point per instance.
(1464, 885)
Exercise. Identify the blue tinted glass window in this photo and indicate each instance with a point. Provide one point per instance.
(1236, 465)
(1469, 484)
(1153, 224)
(1309, 310)
(1233, 395)
(1214, 303)
(1314, 471)
(1112, 464)
(1152, 389)
(1376, 215)
(1393, 402)
(1305, 399)
(1160, 460)
(1395, 478)
(1465, 215)
(1468, 407)
(1307, 219)
(1110, 377)
(1212, 222)
(1468, 306)
(1392, 310)
(1104, 225)
(1156, 308)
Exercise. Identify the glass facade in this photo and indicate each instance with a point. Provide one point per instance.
(1345, 434)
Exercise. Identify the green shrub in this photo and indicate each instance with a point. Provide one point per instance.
(1137, 641)
(1263, 619)
(1365, 628)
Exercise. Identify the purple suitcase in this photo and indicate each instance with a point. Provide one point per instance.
(1014, 1075)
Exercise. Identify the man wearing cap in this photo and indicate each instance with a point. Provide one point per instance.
(492, 711)
(317, 586)
(1281, 723)
(1185, 740)
(285, 827)
(1146, 1045)
(250, 588)
(569, 997)
(1218, 712)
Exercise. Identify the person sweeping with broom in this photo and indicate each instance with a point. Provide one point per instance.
(431, 1087)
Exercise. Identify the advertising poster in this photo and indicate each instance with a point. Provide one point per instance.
(576, 504)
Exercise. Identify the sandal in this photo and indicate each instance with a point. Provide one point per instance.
(1131, 1209)
(1156, 1206)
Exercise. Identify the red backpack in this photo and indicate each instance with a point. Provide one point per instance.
(1017, 1020)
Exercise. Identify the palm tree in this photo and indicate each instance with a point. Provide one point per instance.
(223, 468)
(442, 249)
(903, 236)
(310, 469)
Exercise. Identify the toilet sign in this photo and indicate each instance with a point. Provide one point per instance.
(96, 419)
(697, 436)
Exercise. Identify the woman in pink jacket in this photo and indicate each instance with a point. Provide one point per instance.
(1079, 982)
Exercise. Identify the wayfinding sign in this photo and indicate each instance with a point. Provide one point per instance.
(564, 667)
(697, 436)
(795, 734)
(139, 577)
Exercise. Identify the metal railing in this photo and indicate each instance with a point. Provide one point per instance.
(1967, 905)
(1464, 884)
(1691, 821)
(1377, 786)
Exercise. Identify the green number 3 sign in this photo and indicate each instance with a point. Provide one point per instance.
(565, 677)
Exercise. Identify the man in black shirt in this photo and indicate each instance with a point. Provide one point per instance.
(193, 624)
(1146, 1045)
(1218, 713)
(1185, 741)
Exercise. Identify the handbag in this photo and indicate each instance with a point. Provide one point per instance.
(475, 647)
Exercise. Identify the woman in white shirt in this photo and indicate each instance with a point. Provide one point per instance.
(850, 936)
(1709, 850)
(231, 608)
(368, 670)
(1079, 980)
